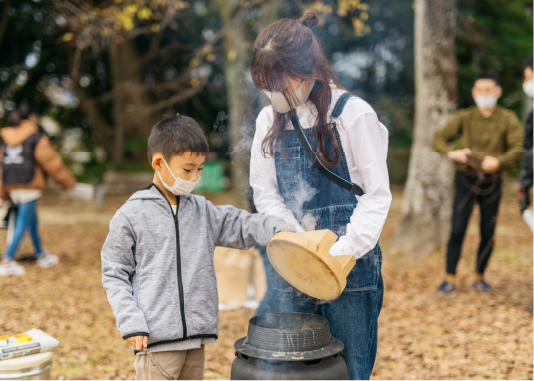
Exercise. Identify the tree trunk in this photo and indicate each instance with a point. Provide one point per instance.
(240, 120)
(426, 210)
(123, 58)
(238, 94)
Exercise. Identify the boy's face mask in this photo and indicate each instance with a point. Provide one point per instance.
(180, 187)
(279, 101)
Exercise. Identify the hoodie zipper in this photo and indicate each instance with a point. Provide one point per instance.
(178, 260)
(179, 268)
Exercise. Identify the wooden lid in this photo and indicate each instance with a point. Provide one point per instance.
(303, 260)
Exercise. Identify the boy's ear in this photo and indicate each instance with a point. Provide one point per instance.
(157, 161)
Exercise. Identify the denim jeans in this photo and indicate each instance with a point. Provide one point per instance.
(353, 317)
(26, 220)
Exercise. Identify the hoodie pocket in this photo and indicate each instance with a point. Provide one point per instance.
(202, 303)
(157, 302)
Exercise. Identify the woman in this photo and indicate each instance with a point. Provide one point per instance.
(344, 131)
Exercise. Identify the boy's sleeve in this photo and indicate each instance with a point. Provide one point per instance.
(447, 134)
(118, 265)
(239, 229)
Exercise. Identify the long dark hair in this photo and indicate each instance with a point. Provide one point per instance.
(289, 49)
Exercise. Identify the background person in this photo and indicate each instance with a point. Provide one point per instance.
(27, 156)
(525, 175)
(289, 65)
(491, 142)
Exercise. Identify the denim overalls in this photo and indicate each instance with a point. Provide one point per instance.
(317, 203)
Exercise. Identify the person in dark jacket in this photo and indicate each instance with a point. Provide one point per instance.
(26, 158)
(525, 176)
(491, 140)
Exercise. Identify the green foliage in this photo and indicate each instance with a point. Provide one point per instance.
(491, 34)
(494, 34)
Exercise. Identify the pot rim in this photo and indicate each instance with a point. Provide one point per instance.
(335, 347)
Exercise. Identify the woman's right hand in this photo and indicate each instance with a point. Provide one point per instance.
(138, 342)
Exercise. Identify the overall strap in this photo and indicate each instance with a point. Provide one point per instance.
(326, 172)
(340, 104)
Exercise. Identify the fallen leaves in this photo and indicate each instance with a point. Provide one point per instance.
(422, 335)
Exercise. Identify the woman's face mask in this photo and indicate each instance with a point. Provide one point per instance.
(180, 187)
(279, 101)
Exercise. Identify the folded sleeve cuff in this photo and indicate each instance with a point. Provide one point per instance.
(135, 334)
(340, 248)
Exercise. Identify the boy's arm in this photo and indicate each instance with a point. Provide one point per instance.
(118, 265)
(237, 228)
(447, 134)
(515, 136)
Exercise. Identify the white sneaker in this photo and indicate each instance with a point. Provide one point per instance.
(12, 268)
(47, 260)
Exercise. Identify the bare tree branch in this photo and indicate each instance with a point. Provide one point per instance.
(177, 98)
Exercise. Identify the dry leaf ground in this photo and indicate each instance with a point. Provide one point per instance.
(422, 335)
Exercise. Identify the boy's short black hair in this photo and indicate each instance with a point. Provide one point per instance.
(175, 135)
(527, 63)
(489, 74)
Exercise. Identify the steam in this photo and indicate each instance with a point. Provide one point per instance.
(309, 222)
(300, 192)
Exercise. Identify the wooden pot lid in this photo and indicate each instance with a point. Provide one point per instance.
(303, 260)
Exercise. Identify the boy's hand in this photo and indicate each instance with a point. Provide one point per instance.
(284, 227)
(138, 342)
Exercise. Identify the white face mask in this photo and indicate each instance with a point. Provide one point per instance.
(486, 101)
(180, 187)
(279, 101)
(528, 88)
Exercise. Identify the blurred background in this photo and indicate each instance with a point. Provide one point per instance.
(101, 73)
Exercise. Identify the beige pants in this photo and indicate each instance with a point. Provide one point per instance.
(182, 365)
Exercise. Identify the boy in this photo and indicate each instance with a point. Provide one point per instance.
(491, 142)
(157, 261)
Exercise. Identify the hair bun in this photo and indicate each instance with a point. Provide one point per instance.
(310, 19)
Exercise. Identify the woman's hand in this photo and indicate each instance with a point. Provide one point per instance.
(138, 342)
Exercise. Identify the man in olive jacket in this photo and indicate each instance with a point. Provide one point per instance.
(488, 139)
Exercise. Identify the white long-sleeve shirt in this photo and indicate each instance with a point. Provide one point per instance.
(365, 143)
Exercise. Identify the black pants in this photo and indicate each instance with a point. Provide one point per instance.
(470, 189)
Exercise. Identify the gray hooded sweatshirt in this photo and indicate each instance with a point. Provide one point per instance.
(157, 268)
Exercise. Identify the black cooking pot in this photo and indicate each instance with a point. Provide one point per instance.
(290, 346)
